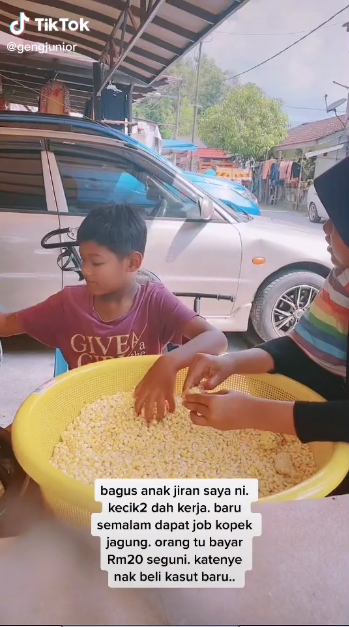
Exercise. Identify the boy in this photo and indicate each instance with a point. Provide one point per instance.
(113, 316)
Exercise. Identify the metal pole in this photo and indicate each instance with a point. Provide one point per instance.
(299, 181)
(178, 112)
(196, 102)
(130, 109)
(178, 118)
(96, 100)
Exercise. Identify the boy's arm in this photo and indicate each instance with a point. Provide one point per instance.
(175, 322)
(179, 322)
(43, 322)
(203, 338)
(10, 325)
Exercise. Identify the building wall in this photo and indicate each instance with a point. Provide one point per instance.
(323, 163)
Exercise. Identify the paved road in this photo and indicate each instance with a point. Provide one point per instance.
(290, 216)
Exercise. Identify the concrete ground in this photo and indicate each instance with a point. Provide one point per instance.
(27, 365)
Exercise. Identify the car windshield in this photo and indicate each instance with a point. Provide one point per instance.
(226, 195)
(212, 194)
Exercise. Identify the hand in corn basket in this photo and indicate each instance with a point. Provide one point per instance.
(223, 410)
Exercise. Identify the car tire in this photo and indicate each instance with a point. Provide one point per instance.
(313, 214)
(264, 318)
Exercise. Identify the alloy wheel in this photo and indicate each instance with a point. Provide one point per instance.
(291, 306)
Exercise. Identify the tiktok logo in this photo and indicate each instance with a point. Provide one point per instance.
(18, 26)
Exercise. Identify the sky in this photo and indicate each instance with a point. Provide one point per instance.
(301, 76)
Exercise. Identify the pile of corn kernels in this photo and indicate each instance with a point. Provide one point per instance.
(108, 440)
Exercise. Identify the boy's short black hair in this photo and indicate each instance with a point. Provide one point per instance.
(120, 228)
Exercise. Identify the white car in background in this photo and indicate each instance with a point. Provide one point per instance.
(316, 210)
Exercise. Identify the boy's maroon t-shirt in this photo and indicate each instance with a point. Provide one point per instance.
(68, 321)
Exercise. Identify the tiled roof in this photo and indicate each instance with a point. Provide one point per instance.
(211, 153)
(313, 131)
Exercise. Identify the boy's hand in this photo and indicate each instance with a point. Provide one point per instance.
(224, 410)
(156, 391)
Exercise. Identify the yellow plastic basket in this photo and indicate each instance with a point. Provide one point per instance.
(46, 413)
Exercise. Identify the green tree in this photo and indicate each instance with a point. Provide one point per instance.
(213, 88)
(159, 110)
(246, 124)
(163, 111)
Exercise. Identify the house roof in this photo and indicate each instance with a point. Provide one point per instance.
(138, 38)
(211, 153)
(311, 132)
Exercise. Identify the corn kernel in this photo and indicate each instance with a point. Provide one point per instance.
(108, 440)
(195, 390)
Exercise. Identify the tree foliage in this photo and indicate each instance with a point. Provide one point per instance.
(247, 123)
(163, 111)
(213, 88)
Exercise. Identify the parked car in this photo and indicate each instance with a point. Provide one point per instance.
(316, 210)
(231, 193)
(54, 170)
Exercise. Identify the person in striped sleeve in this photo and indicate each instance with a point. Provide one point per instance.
(315, 353)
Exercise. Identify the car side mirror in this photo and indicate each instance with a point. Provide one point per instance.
(206, 208)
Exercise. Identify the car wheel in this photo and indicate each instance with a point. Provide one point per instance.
(313, 214)
(279, 305)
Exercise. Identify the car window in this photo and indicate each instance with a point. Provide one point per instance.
(95, 175)
(22, 185)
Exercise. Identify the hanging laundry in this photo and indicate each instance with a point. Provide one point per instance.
(296, 170)
(275, 173)
(54, 98)
(288, 172)
(266, 168)
(114, 105)
(284, 165)
(88, 109)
